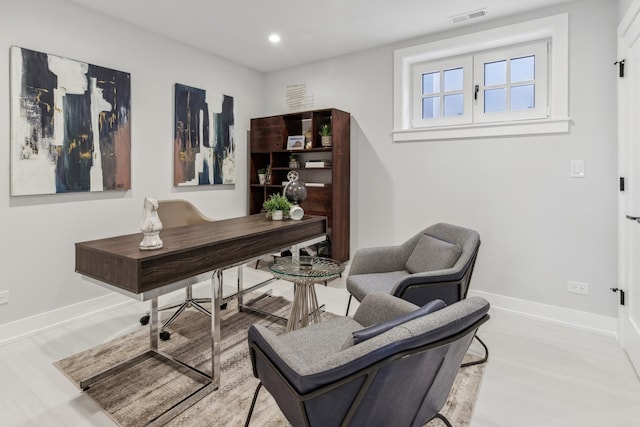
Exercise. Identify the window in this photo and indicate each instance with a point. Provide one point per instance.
(440, 98)
(506, 81)
(511, 84)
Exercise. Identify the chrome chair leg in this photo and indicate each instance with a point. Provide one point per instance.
(189, 301)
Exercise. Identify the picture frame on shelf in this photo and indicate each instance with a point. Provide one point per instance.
(295, 142)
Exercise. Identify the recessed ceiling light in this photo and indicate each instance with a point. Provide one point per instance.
(274, 38)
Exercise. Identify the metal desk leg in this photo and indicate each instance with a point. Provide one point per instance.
(216, 297)
(240, 287)
(154, 321)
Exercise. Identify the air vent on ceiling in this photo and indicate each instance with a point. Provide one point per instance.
(467, 16)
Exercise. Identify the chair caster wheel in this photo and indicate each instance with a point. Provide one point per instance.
(164, 335)
(144, 320)
(223, 306)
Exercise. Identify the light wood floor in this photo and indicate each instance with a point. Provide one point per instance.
(539, 373)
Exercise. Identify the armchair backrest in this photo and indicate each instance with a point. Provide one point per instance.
(460, 273)
(400, 377)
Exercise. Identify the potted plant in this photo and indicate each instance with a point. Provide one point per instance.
(325, 135)
(293, 161)
(277, 207)
(262, 175)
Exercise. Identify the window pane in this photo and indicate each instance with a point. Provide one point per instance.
(431, 83)
(495, 100)
(453, 105)
(495, 73)
(523, 69)
(453, 80)
(522, 97)
(431, 108)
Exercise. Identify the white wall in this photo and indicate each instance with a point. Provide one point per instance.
(623, 6)
(539, 227)
(37, 233)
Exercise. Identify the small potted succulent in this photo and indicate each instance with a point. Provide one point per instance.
(293, 161)
(277, 207)
(262, 175)
(325, 135)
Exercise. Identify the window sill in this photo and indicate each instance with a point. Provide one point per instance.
(483, 130)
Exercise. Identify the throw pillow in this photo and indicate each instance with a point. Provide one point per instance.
(377, 329)
(432, 254)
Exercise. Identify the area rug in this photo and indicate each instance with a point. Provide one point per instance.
(148, 389)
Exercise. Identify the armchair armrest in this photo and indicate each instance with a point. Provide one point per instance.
(379, 307)
(277, 353)
(379, 259)
(421, 288)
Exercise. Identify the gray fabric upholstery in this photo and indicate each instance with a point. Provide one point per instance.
(380, 307)
(314, 350)
(362, 335)
(382, 269)
(311, 344)
(431, 253)
(363, 284)
(315, 381)
(379, 259)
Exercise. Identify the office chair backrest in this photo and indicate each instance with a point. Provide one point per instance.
(177, 213)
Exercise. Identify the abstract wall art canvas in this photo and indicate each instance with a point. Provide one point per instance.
(204, 147)
(70, 125)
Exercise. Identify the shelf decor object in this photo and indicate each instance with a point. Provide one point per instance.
(325, 135)
(295, 191)
(203, 150)
(70, 125)
(295, 142)
(327, 177)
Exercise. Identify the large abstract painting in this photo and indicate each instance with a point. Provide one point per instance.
(204, 148)
(70, 125)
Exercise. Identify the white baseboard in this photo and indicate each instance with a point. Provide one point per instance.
(43, 321)
(55, 318)
(565, 316)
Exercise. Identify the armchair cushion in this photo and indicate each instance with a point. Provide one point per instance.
(374, 330)
(432, 254)
(363, 284)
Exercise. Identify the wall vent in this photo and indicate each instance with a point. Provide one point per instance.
(467, 16)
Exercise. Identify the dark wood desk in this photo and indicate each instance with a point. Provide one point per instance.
(189, 254)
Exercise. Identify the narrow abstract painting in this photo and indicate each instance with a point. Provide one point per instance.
(70, 125)
(204, 148)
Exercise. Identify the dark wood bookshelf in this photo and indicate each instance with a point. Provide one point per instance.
(268, 149)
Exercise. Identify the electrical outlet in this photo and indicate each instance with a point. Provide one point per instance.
(4, 297)
(578, 288)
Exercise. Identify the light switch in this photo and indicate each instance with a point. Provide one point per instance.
(577, 168)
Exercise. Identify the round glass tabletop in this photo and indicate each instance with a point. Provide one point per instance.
(305, 267)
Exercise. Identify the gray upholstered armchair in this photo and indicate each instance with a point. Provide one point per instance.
(393, 363)
(436, 263)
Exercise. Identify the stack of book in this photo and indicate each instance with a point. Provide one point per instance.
(317, 164)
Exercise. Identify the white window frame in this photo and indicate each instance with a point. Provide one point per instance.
(541, 110)
(554, 28)
(437, 66)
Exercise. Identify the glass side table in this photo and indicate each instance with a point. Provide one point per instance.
(304, 272)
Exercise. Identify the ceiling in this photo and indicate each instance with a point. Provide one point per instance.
(310, 30)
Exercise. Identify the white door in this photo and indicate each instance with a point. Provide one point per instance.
(629, 199)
